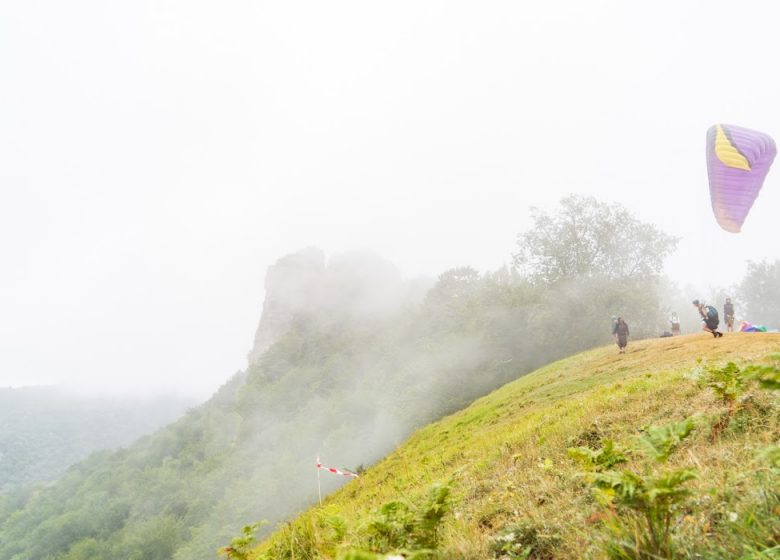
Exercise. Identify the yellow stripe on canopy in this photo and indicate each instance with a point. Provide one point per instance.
(726, 151)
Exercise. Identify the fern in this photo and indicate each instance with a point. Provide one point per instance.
(768, 377)
(240, 546)
(597, 460)
(430, 516)
(650, 503)
(400, 525)
(658, 442)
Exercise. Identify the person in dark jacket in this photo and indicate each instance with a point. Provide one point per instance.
(709, 318)
(728, 314)
(620, 332)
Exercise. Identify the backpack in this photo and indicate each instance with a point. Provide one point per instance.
(712, 313)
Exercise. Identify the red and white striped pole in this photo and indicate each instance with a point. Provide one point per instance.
(343, 472)
(330, 470)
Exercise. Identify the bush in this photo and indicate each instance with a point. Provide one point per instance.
(648, 503)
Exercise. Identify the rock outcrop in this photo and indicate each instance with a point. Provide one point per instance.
(357, 284)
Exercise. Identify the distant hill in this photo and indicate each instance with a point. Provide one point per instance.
(515, 491)
(44, 430)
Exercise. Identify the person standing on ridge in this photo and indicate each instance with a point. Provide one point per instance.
(675, 321)
(709, 318)
(728, 314)
(620, 332)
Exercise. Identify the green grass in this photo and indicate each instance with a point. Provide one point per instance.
(506, 459)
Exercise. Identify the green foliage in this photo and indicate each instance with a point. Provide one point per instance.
(398, 528)
(658, 442)
(400, 525)
(430, 516)
(770, 455)
(767, 376)
(588, 272)
(138, 502)
(87, 549)
(772, 553)
(580, 241)
(298, 541)
(606, 457)
(240, 546)
(43, 431)
(156, 538)
(649, 502)
(651, 496)
(392, 528)
(728, 382)
(337, 526)
(735, 519)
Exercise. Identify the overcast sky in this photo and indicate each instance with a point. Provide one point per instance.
(157, 156)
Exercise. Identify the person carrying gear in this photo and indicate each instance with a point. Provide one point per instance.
(709, 318)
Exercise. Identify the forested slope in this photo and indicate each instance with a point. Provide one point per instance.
(43, 430)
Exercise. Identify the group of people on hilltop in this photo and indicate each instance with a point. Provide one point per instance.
(709, 319)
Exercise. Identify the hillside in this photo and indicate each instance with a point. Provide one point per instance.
(44, 430)
(517, 493)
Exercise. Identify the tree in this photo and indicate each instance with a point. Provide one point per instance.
(454, 285)
(760, 291)
(590, 238)
(593, 260)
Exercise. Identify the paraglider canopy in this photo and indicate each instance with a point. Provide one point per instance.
(738, 160)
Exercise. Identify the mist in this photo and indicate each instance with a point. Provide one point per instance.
(45, 430)
(156, 159)
(349, 360)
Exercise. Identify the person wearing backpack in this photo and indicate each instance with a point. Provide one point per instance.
(620, 332)
(709, 318)
(728, 314)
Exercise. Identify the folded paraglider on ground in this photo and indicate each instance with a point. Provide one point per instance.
(747, 327)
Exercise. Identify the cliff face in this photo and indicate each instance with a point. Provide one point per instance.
(357, 284)
(290, 289)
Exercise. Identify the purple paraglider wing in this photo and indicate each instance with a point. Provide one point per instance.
(738, 160)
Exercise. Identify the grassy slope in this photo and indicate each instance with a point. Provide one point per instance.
(506, 453)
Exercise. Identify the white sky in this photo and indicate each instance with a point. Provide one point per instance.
(157, 156)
